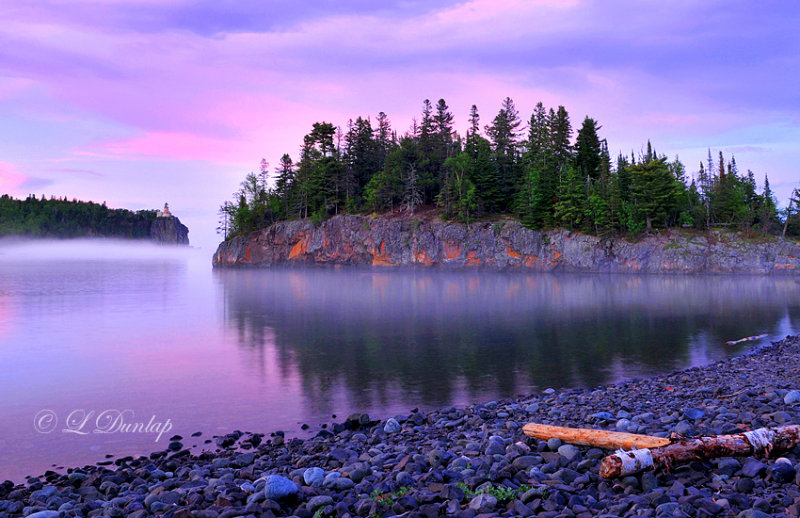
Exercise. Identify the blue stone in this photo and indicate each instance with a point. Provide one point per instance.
(279, 488)
(693, 414)
(311, 475)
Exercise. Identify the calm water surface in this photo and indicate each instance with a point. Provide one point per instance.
(88, 328)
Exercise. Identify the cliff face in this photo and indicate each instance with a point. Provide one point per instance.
(504, 245)
(169, 231)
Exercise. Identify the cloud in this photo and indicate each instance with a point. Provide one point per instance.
(194, 88)
(10, 178)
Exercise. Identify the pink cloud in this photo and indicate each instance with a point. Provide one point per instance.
(10, 178)
(176, 145)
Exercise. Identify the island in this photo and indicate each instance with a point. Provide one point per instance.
(497, 199)
(60, 218)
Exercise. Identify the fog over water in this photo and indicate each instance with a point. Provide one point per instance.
(95, 326)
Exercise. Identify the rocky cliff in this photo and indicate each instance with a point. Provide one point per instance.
(391, 241)
(169, 231)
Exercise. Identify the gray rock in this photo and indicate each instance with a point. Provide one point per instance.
(792, 397)
(685, 429)
(495, 448)
(279, 488)
(608, 416)
(520, 509)
(667, 509)
(526, 461)
(782, 472)
(392, 426)
(330, 477)
(553, 444)
(319, 501)
(311, 475)
(247, 487)
(623, 425)
(358, 474)
(728, 466)
(569, 451)
(693, 414)
(483, 503)
(753, 468)
(752, 513)
(745, 485)
(342, 484)
(245, 459)
(45, 493)
(44, 514)
(648, 482)
(708, 505)
(169, 497)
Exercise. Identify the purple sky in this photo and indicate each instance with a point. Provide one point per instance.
(138, 102)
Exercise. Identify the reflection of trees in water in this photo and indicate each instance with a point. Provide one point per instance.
(425, 334)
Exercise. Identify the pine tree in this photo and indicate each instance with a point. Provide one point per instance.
(458, 193)
(539, 187)
(473, 132)
(504, 135)
(283, 184)
(767, 212)
(384, 138)
(588, 158)
(561, 133)
(571, 207)
(653, 191)
(443, 128)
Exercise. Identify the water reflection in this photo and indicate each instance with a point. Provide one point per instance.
(436, 337)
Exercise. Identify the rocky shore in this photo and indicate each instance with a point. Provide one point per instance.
(424, 240)
(467, 462)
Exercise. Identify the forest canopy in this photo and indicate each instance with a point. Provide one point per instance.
(62, 218)
(538, 170)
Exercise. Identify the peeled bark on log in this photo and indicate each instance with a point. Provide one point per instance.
(763, 440)
(745, 339)
(590, 437)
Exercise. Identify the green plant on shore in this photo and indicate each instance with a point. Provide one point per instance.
(320, 513)
(503, 494)
(388, 499)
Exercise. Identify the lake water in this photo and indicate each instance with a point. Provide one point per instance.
(129, 339)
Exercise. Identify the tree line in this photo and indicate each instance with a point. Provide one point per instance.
(62, 218)
(533, 171)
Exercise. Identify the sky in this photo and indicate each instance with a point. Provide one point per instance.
(142, 102)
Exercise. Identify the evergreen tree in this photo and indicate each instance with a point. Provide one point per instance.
(653, 191)
(767, 213)
(588, 152)
(458, 192)
(362, 159)
(504, 135)
(571, 207)
(561, 133)
(539, 186)
(283, 184)
(384, 139)
(473, 132)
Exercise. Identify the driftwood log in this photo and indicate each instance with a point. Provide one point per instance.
(763, 440)
(598, 438)
(745, 339)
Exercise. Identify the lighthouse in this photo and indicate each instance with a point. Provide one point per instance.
(164, 213)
